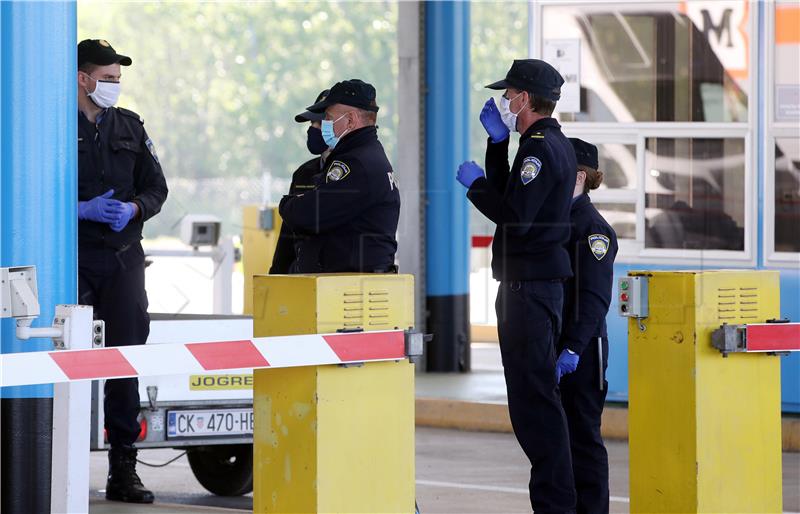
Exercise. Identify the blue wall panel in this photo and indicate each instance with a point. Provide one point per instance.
(38, 159)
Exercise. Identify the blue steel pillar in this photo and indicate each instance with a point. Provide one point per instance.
(38, 181)
(447, 217)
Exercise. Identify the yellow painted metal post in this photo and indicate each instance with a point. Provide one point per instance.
(705, 431)
(258, 246)
(331, 438)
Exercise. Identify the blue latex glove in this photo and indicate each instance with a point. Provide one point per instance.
(102, 209)
(566, 364)
(127, 213)
(468, 173)
(492, 122)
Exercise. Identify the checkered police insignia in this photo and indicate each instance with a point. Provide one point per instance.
(598, 243)
(150, 146)
(337, 172)
(531, 167)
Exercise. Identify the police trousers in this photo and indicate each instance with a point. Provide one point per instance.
(112, 282)
(529, 323)
(583, 396)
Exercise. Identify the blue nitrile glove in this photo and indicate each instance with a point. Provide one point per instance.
(566, 364)
(127, 213)
(492, 122)
(468, 173)
(102, 209)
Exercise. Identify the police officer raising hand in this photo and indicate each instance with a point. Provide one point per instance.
(120, 186)
(351, 215)
(529, 202)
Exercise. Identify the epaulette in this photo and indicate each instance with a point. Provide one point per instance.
(537, 135)
(130, 114)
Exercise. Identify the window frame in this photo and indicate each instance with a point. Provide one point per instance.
(773, 130)
(612, 132)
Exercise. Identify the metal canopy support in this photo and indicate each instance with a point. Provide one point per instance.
(38, 109)
(411, 251)
(447, 84)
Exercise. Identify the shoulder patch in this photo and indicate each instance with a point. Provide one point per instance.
(337, 171)
(598, 243)
(130, 114)
(150, 146)
(537, 135)
(530, 169)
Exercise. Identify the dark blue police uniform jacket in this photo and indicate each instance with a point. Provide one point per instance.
(351, 216)
(116, 153)
(592, 249)
(529, 203)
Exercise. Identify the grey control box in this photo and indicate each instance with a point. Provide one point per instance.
(632, 296)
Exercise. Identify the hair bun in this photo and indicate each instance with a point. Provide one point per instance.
(593, 180)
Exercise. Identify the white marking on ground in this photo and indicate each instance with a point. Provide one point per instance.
(497, 489)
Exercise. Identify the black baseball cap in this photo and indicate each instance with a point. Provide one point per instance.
(353, 92)
(313, 116)
(534, 76)
(100, 52)
(585, 153)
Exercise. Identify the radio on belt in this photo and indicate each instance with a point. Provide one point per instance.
(633, 297)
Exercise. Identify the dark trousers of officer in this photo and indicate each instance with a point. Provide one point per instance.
(112, 281)
(583, 400)
(529, 322)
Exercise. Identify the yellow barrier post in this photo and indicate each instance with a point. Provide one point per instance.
(333, 438)
(705, 430)
(261, 227)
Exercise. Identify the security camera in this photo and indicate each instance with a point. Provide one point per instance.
(200, 230)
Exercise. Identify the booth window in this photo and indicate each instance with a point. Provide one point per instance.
(616, 196)
(784, 128)
(787, 195)
(661, 61)
(695, 193)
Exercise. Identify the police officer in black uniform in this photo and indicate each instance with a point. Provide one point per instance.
(120, 186)
(592, 248)
(351, 215)
(529, 202)
(303, 179)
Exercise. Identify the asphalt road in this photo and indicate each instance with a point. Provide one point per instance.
(457, 472)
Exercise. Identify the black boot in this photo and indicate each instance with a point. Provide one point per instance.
(123, 483)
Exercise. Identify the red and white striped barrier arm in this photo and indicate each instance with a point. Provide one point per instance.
(187, 358)
(773, 337)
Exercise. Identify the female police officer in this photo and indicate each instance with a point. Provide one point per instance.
(583, 345)
(530, 203)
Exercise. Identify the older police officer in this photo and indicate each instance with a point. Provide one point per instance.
(120, 186)
(583, 347)
(351, 215)
(529, 201)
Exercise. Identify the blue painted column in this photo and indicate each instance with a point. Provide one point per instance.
(38, 226)
(447, 117)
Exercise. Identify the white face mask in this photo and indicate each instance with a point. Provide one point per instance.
(509, 118)
(105, 93)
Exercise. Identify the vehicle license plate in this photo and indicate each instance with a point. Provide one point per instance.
(195, 423)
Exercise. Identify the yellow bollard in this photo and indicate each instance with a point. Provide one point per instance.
(705, 431)
(332, 438)
(261, 227)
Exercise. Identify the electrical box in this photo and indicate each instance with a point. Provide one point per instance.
(200, 230)
(633, 302)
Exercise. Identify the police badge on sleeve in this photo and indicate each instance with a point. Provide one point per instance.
(531, 167)
(337, 172)
(152, 148)
(598, 243)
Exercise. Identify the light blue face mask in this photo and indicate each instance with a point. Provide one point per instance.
(328, 134)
